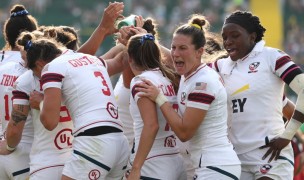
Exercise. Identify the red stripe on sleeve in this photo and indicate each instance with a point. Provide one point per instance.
(201, 98)
(20, 95)
(51, 77)
(282, 61)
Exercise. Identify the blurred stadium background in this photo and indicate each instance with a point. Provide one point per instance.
(283, 19)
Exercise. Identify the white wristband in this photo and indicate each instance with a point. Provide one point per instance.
(160, 99)
(41, 105)
(291, 129)
(10, 148)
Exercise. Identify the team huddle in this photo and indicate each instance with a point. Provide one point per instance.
(209, 107)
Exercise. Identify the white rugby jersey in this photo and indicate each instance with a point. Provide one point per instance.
(255, 86)
(86, 90)
(50, 148)
(122, 95)
(10, 56)
(165, 140)
(203, 89)
(9, 72)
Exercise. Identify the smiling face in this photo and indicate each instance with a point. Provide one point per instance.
(237, 41)
(185, 57)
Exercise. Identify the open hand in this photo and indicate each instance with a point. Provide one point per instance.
(110, 15)
(147, 89)
(275, 147)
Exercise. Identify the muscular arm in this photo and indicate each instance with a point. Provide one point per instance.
(16, 124)
(50, 113)
(149, 116)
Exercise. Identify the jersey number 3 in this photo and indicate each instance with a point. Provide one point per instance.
(106, 90)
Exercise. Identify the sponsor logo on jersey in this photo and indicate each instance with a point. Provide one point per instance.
(170, 141)
(253, 67)
(265, 168)
(94, 174)
(112, 110)
(63, 139)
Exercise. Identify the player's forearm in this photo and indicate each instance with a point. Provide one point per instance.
(13, 135)
(175, 121)
(113, 51)
(116, 65)
(92, 44)
(16, 124)
(145, 144)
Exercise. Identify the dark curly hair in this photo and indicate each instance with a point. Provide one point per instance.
(248, 21)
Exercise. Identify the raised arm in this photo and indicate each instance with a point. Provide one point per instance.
(106, 27)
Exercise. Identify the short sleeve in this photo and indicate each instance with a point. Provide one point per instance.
(201, 95)
(22, 88)
(52, 75)
(134, 84)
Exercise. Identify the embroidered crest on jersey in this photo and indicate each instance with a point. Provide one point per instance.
(265, 168)
(183, 98)
(170, 141)
(113, 111)
(94, 174)
(253, 67)
(200, 86)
